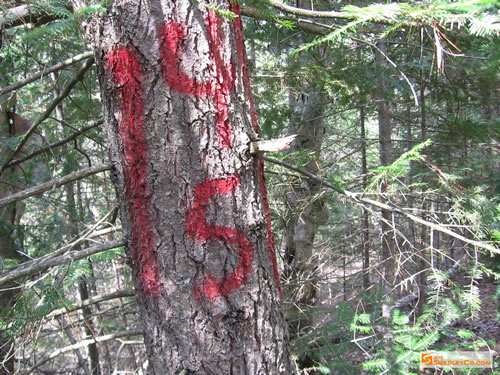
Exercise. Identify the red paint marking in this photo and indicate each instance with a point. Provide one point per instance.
(199, 229)
(172, 36)
(124, 65)
(218, 89)
(225, 80)
(127, 76)
(240, 46)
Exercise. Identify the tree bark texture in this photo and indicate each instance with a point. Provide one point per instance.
(180, 118)
(11, 181)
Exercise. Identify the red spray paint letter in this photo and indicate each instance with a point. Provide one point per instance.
(198, 229)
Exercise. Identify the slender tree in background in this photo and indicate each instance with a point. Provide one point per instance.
(306, 210)
(180, 120)
(385, 144)
(364, 226)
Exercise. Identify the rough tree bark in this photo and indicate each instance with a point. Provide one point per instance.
(180, 118)
(11, 180)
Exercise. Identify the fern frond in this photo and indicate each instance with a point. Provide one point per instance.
(330, 37)
(376, 364)
(427, 341)
(486, 26)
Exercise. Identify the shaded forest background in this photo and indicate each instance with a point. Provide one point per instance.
(385, 208)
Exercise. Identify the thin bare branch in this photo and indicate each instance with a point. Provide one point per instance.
(307, 12)
(56, 144)
(305, 25)
(44, 72)
(31, 267)
(54, 183)
(83, 343)
(92, 301)
(359, 199)
(406, 300)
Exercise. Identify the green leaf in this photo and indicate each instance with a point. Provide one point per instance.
(464, 334)
(364, 318)
(376, 364)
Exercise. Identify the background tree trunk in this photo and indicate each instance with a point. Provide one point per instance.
(180, 117)
(10, 231)
(365, 219)
(307, 211)
(385, 135)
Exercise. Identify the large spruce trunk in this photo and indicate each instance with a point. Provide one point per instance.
(180, 118)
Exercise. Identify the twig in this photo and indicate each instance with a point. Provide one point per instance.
(54, 183)
(412, 297)
(85, 342)
(358, 199)
(91, 301)
(307, 12)
(37, 265)
(55, 144)
(46, 71)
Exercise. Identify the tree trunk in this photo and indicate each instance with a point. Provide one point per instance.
(11, 238)
(82, 283)
(365, 220)
(423, 261)
(306, 210)
(180, 118)
(385, 132)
